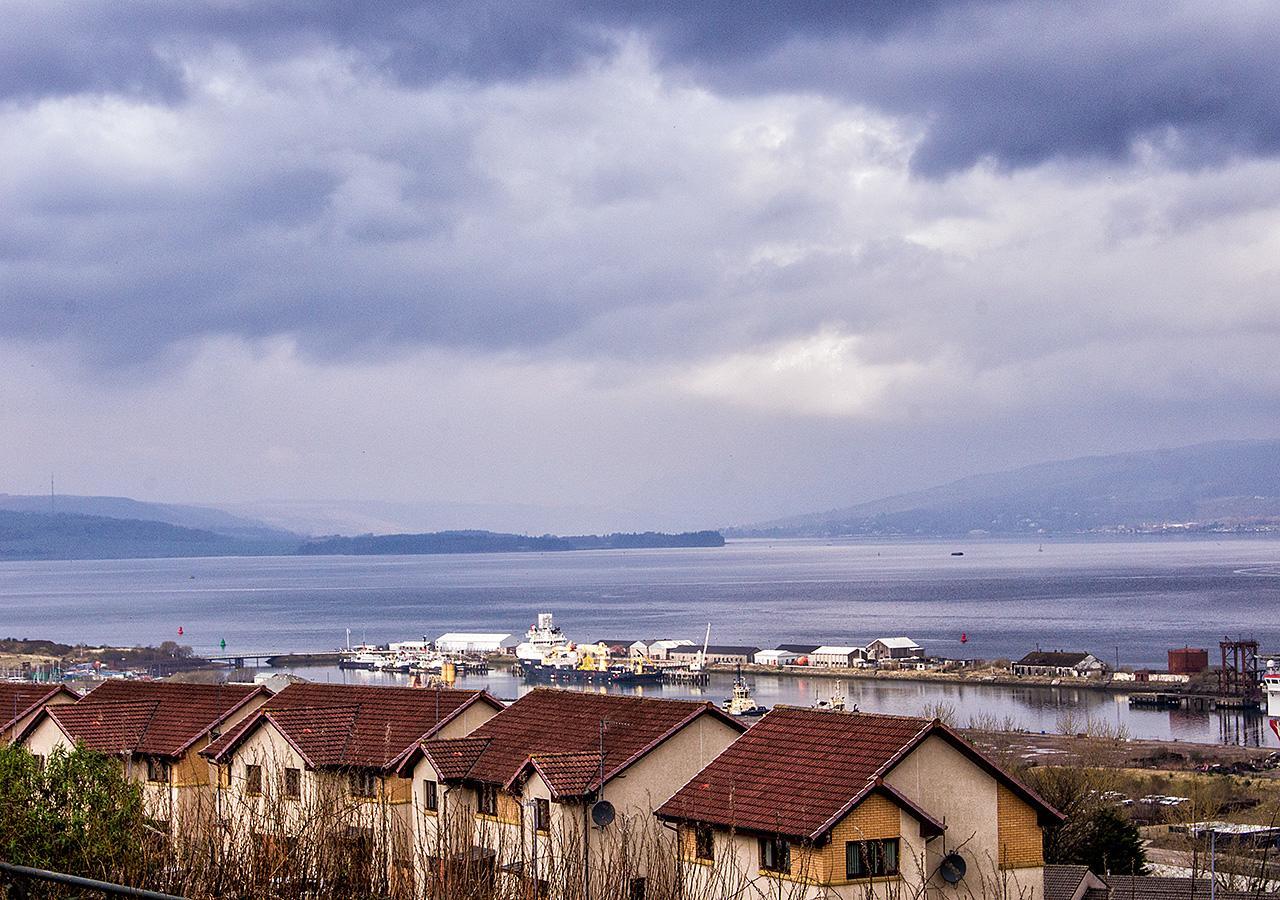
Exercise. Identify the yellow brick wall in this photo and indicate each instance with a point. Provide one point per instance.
(508, 808)
(689, 846)
(873, 818)
(1021, 840)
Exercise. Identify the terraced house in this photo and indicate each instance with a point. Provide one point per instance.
(157, 729)
(522, 793)
(823, 804)
(318, 763)
(21, 701)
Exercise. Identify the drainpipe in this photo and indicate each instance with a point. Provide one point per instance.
(586, 852)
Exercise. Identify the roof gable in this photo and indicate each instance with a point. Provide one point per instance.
(19, 699)
(349, 726)
(553, 729)
(111, 717)
(800, 771)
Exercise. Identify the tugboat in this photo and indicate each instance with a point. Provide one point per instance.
(742, 703)
(836, 701)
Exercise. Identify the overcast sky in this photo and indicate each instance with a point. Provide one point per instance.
(640, 264)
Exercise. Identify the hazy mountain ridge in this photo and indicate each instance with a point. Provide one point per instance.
(1227, 484)
(203, 518)
(30, 535)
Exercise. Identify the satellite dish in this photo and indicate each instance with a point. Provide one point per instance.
(953, 868)
(602, 813)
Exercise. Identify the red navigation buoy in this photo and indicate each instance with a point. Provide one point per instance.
(179, 631)
(964, 638)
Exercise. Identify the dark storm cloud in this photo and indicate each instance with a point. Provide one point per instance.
(1017, 82)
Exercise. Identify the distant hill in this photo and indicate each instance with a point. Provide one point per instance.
(1222, 486)
(205, 518)
(493, 542)
(27, 535)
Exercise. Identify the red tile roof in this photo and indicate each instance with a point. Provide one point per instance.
(560, 728)
(339, 725)
(156, 718)
(799, 771)
(18, 699)
(453, 759)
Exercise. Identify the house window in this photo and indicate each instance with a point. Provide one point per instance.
(430, 796)
(704, 842)
(224, 776)
(542, 814)
(637, 889)
(871, 859)
(775, 855)
(293, 783)
(364, 784)
(38, 759)
(487, 800)
(157, 770)
(253, 780)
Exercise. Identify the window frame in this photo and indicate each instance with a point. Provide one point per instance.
(775, 855)
(252, 780)
(542, 815)
(158, 767)
(431, 796)
(704, 838)
(363, 784)
(872, 856)
(487, 800)
(292, 791)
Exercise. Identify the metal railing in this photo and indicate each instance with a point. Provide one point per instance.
(19, 875)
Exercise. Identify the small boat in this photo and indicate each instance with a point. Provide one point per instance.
(957, 553)
(365, 660)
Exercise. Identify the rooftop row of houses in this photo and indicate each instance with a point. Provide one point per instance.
(684, 651)
(807, 803)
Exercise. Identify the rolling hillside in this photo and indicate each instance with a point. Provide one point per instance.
(1228, 485)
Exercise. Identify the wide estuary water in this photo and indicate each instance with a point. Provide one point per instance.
(1129, 600)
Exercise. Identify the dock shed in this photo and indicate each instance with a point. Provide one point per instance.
(836, 657)
(776, 658)
(798, 649)
(894, 648)
(724, 654)
(476, 642)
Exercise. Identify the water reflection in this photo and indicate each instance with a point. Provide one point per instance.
(1064, 709)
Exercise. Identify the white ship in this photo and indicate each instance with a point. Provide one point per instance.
(544, 639)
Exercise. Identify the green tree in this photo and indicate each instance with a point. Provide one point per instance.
(73, 812)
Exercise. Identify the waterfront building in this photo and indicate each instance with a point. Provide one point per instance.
(324, 758)
(894, 648)
(1060, 664)
(476, 642)
(157, 729)
(798, 649)
(522, 792)
(661, 649)
(21, 701)
(825, 804)
(723, 654)
(775, 658)
(837, 657)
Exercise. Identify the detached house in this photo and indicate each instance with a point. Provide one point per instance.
(321, 760)
(822, 804)
(521, 794)
(20, 702)
(157, 728)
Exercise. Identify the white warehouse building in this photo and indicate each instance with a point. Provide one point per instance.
(476, 642)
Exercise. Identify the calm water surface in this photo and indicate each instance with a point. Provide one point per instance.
(1125, 599)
